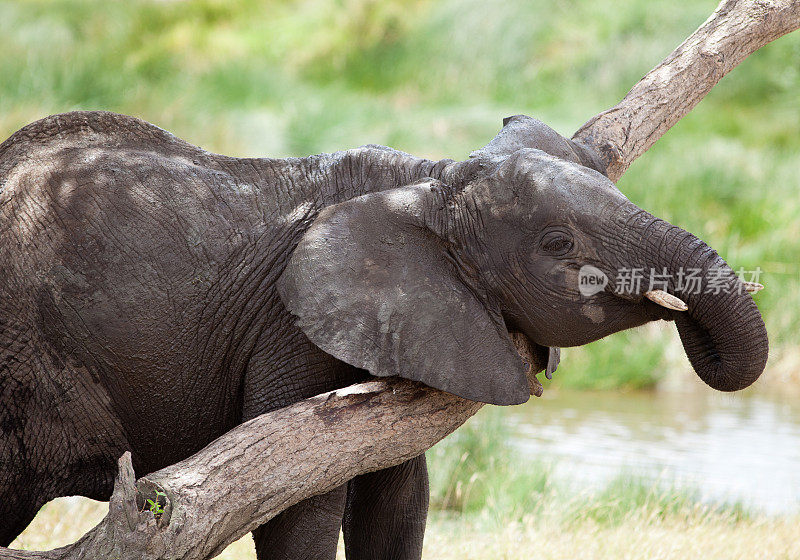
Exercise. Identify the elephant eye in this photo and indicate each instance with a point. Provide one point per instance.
(556, 243)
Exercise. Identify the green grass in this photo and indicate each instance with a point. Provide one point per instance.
(475, 470)
(628, 360)
(277, 78)
(630, 496)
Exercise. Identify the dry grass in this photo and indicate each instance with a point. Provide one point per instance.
(474, 537)
(634, 539)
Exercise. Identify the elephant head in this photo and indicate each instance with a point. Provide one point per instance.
(433, 280)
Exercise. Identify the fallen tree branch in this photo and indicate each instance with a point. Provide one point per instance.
(266, 465)
(262, 467)
(670, 90)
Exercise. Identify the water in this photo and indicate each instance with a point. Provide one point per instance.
(741, 448)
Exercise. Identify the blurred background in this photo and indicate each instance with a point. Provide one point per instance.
(627, 454)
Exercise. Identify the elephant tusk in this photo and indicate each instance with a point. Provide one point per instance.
(664, 299)
(752, 287)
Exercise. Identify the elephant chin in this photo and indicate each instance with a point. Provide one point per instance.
(534, 355)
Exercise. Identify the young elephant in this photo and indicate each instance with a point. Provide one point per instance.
(154, 295)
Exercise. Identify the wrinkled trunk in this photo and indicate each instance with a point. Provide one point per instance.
(722, 332)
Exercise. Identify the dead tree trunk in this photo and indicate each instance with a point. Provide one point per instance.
(262, 467)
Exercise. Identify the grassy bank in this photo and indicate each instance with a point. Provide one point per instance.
(489, 503)
(632, 521)
(279, 78)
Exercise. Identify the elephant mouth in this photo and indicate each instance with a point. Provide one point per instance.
(535, 357)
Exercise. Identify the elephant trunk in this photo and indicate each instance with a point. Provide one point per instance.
(722, 331)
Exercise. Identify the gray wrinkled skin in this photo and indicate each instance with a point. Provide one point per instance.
(154, 295)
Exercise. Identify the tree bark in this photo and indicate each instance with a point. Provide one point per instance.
(670, 90)
(262, 467)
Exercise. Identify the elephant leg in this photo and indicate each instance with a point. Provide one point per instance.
(284, 369)
(386, 513)
(53, 442)
(308, 530)
(16, 514)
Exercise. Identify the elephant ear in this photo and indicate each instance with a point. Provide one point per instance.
(520, 132)
(373, 284)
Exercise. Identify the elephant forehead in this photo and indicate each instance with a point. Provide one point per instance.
(537, 184)
(584, 191)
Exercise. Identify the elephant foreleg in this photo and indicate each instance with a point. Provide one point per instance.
(308, 530)
(386, 513)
